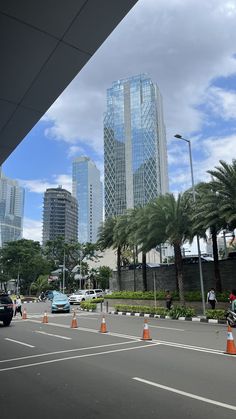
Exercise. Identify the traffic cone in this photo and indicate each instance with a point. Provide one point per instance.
(45, 317)
(103, 328)
(146, 334)
(74, 324)
(24, 315)
(230, 348)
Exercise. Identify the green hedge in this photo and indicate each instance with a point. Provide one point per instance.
(174, 313)
(86, 305)
(97, 300)
(160, 295)
(216, 314)
(142, 309)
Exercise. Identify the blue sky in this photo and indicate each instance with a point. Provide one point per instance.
(188, 48)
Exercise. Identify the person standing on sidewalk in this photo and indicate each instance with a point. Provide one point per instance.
(211, 298)
(168, 298)
(18, 306)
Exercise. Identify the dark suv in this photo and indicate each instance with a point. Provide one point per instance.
(6, 309)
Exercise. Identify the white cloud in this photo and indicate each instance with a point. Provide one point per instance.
(222, 102)
(32, 229)
(176, 43)
(40, 185)
(75, 151)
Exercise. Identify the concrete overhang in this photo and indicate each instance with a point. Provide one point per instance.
(44, 44)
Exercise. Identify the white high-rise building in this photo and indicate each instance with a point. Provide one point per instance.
(11, 210)
(135, 151)
(87, 188)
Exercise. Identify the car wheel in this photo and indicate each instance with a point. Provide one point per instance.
(7, 322)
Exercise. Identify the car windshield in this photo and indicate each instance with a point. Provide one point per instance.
(79, 292)
(59, 297)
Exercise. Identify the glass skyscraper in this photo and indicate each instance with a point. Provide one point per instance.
(11, 210)
(87, 188)
(135, 152)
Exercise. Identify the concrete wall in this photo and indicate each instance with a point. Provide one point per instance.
(166, 277)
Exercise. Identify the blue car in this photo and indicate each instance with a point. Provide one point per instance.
(60, 304)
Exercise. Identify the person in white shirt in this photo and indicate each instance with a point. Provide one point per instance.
(211, 298)
(18, 306)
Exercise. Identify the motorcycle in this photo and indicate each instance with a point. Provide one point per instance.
(231, 318)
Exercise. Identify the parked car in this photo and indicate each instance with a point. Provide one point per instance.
(99, 292)
(6, 309)
(60, 304)
(82, 295)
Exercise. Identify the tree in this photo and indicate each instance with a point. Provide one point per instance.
(103, 275)
(206, 215)
(224, 183)
(107, 240)
(23, 259)
(168, 220)
(41, 284)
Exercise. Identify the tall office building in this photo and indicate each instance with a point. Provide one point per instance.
(60, 215)
(87, 188)
(11, 209)
(135, 152)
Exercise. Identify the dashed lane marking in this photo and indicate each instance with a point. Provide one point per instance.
(20, 343)
(51, 334)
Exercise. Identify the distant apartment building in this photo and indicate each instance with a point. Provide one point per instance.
(60, 215)
(87, 188)
(135, 151)
(11, 209)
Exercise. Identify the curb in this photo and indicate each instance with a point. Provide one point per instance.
(157, 316)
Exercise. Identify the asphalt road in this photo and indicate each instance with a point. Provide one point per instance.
(52, 370)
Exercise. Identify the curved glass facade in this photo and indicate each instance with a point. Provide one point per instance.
(135, 153)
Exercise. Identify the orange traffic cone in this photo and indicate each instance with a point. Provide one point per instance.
(74, 324)
(45, 317)
(24, 315)
(230, 348)
(146, 334)
(103, 328)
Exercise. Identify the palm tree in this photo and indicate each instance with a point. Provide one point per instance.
(106, 240)
(168, 220)
(224, 182)
(206, 215)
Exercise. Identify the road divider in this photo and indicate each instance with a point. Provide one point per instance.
(146, 333)
(45, 318)
(230, 347)
(103, 328)
(74, 323)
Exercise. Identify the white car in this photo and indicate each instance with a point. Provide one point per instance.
(82, 295)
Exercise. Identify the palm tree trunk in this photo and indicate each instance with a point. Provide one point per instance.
(144, 270)
(216, 261)
(119, 266)
(179, 268)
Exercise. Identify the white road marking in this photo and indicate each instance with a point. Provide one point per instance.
(168, 328)
(20, 343)
(184, 393)
(51, 334)
(161, 342)
(76, 357)
(66, 351)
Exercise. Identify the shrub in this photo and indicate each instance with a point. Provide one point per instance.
(160, 295)
(88, 306)
(216, 314)
(97, 300)
(179, 311)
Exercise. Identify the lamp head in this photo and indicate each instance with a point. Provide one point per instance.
(178, 136)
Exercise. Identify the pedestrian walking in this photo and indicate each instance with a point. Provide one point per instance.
(18, 306)
(168, 300)
(232, 298)
(211, 298)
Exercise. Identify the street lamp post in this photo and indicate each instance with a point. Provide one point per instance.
(198, 242)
